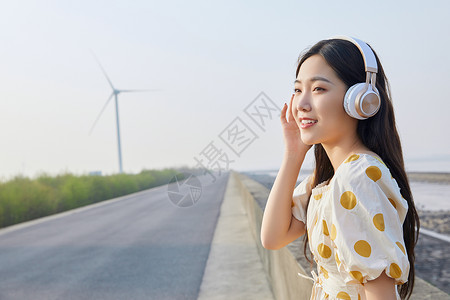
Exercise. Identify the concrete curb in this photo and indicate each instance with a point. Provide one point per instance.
(234, 269)
(280, 265)
(283, 265)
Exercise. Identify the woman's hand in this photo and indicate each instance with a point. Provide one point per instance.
(291, 132)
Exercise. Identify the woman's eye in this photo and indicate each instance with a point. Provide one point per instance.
(318, 89)
(297, 91)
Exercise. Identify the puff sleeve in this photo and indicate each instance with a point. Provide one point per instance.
(300, 198)
(367, 217)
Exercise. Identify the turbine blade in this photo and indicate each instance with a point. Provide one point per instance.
(103, 70)
(98, 117)
(134, 91)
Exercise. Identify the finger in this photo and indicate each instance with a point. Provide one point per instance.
(290, 114)
(283, 114)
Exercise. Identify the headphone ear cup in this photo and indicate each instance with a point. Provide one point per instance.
(350, 100)
(369, 103)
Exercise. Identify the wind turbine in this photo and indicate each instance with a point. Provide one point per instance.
(115, 93)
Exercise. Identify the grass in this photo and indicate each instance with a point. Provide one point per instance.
(23, 199)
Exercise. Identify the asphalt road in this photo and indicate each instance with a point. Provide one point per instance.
(142, 247)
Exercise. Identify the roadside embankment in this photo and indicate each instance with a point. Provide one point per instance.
(23, 199)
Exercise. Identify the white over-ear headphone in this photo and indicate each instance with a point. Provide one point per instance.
(362, 100)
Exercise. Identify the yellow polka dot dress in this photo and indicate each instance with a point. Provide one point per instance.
(354, 226)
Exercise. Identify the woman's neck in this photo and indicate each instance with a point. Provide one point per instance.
(337, 153)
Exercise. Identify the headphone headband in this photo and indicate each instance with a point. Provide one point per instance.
(367, 53)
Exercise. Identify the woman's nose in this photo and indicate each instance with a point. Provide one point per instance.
(303, 103)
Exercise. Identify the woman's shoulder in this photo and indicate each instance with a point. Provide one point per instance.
(362, 170)
(363, 164)
(367, 175)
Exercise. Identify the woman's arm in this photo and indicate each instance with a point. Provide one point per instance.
(279, 227)
(382, 288)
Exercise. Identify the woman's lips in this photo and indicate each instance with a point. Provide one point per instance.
(306, 123)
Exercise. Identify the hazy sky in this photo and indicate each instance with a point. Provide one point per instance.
(211, 59)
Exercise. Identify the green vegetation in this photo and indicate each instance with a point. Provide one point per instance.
(23, 199)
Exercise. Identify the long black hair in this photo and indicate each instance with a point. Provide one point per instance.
(378, 133)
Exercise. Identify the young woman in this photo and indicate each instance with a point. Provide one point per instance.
(356, 208)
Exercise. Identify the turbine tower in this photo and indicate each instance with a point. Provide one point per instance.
(115, 93)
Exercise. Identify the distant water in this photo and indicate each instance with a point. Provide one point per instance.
(440, 163)
(431, 196)
(427, 196)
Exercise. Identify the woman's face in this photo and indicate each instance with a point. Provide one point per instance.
(318, 104)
